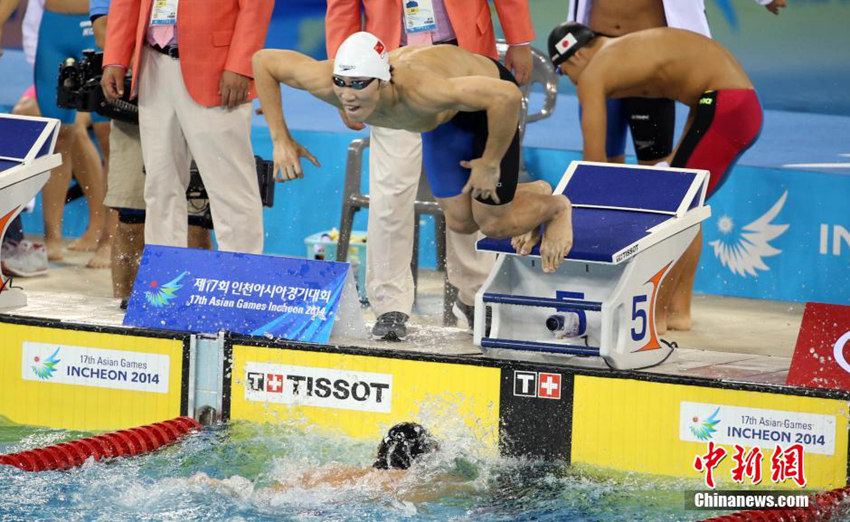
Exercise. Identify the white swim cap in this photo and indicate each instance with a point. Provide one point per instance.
(362, 54)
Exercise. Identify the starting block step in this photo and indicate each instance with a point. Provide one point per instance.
(630, 226)
(525, 300)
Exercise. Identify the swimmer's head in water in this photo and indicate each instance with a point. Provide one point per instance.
(566, 39)
(360, 60)
(362, 55)
(402, 444)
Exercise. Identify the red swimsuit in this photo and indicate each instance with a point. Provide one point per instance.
(726, 124)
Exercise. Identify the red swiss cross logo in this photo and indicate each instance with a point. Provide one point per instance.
(274, 383)
(549, 386)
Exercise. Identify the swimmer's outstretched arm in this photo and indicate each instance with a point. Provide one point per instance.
(271, 68)
(501, 100)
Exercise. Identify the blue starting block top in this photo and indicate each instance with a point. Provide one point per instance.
(598, 234)
(24, 139)
(615, 207)
(629, 188)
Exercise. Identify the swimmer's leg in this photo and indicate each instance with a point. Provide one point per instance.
(523, 243)
(528, 210)
(679, 312)
(674, 301)
(458, 213)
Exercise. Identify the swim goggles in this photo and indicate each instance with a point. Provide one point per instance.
(357, 85)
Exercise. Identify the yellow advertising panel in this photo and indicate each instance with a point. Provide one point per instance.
(82, 380)
(361, 395)
(664, 429)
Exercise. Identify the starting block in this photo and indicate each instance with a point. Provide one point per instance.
(26, 157)
(630, 226)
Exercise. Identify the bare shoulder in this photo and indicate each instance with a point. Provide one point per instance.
(416, 81)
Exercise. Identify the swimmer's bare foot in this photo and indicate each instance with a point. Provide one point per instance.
(102, 257)
(54, 249)
(85, 243)
(523, 243)
(558, 238)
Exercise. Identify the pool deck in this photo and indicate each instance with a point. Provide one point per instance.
(733, 339)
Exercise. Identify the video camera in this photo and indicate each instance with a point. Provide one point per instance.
(265, 177)
(79, 88)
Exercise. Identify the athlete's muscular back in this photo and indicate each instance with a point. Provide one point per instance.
(619, 17)
(663, 63)
(419, 74)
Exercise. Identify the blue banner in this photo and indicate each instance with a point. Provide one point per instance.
(206, 291)
(780, 235)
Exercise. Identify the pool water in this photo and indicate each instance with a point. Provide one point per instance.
(460, 482)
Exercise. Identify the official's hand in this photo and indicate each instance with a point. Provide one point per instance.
(233, 89)
(518, 61)
(483, 180)
(774, 6)
(353, 125)
(112, 82)
(287, 160)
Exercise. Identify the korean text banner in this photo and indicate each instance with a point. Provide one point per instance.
(207, 291)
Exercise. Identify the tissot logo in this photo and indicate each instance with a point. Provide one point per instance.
(525, 384)
(549, 386)
(275, 383)
(321, 387)
(537, 384)
(256, 381)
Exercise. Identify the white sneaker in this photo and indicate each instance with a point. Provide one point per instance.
(27, 260)
(6, 252)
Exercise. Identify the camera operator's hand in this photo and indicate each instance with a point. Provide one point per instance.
(112, 82)
(287, 159)
(353, 125)
(233, 89)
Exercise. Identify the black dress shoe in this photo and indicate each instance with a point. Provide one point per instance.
(390, 326)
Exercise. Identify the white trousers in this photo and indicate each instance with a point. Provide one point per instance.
(175, 129)
(395, 161)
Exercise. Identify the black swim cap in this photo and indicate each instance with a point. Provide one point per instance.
(402, 444)
(566, 39)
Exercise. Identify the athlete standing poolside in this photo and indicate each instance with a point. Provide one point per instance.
(724, 121)
(465, 105)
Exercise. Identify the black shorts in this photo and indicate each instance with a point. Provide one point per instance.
(652, 122)
(464, 137)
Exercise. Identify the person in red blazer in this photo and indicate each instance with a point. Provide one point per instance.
(470, 19)
(214, 38)
(395, 156)
(191, 62)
